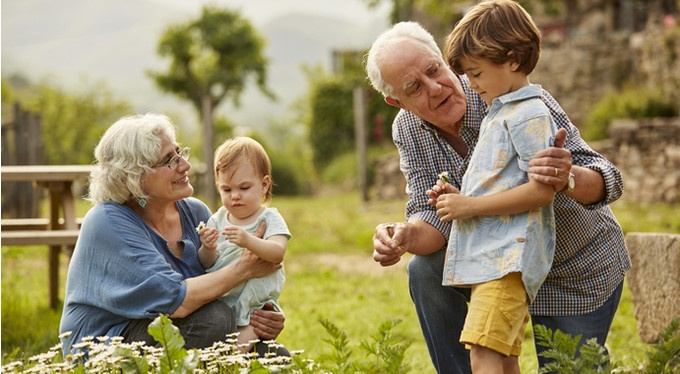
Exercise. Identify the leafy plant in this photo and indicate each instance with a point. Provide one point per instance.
(340, 344)
(630, 103)
(105, 354)
(562, 349)
(664, 358)
(387, 349)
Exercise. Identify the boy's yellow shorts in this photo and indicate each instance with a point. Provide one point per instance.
(497, 315)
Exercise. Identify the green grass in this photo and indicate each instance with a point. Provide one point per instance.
(330, 275)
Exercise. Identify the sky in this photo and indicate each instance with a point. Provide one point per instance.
(260, 11)
(78, 42)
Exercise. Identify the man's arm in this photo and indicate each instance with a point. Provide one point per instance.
(392, 240)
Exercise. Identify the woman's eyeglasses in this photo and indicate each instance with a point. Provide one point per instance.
(174, 160)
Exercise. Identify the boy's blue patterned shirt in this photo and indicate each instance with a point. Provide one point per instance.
(486, 248)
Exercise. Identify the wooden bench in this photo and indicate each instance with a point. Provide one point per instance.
(37, 231)
(22, 224)
(60, 232)
(39, 237)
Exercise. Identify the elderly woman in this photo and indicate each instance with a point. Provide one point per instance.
(136, 256)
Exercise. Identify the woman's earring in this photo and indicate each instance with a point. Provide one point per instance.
(142, 202)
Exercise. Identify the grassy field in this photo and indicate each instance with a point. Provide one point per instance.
(330, 275)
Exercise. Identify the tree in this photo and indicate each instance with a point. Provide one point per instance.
(71, 122)
(212, 59)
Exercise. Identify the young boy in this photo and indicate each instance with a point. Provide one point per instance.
(503, 237)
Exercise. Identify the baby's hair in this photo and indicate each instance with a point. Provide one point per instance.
(498, 30)
(243, 148)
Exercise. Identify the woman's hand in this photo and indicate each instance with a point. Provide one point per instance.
(254, 266)
(267, 323)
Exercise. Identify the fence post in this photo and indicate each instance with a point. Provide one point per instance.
(21, 145)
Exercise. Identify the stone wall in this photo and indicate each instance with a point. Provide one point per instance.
(647, 152)
(389, 180)
(654, 281)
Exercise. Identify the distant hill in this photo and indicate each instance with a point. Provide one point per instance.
(114, 41)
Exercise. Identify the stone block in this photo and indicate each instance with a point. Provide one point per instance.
(654, 281)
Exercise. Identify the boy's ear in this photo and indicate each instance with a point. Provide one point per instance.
(514, 64)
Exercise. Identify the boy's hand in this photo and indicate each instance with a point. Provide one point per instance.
(452, 205)
(439, 189)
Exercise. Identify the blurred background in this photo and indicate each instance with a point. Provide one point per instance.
(80, 65)
(290, 74)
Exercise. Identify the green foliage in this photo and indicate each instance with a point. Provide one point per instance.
(664, 358)
(389, 350)
(562, 353)
(629, 103)
(332, 119)
(175, 358)
(29, 326)
(107, 354)
(71, 122)
(330, 275)
(340, 357)
(657, 217)
(212, 57)
(342, 171)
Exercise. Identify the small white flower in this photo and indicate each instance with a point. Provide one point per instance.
(200, 226)
(444, 176)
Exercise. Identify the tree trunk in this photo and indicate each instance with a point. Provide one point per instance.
(208, 187)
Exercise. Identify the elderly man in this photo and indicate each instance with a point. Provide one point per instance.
(436, 131)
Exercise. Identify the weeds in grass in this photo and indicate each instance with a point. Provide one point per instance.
(567, 358)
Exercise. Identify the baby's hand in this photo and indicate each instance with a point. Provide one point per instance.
(236, 235)
(209, 237)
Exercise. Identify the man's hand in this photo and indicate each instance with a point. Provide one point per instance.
(389, 242)
(267, 322)
(552, 165)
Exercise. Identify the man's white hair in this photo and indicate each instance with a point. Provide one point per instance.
(390, 41)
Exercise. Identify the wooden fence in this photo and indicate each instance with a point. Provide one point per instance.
(21, 145)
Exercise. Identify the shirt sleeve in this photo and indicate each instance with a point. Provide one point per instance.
(530, 136)
(419, 154)
(276, 225)
(583, 155)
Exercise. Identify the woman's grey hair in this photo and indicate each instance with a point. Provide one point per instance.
(388, 42)
(125, 155)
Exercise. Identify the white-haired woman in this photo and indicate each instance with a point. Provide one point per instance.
(136, 256)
